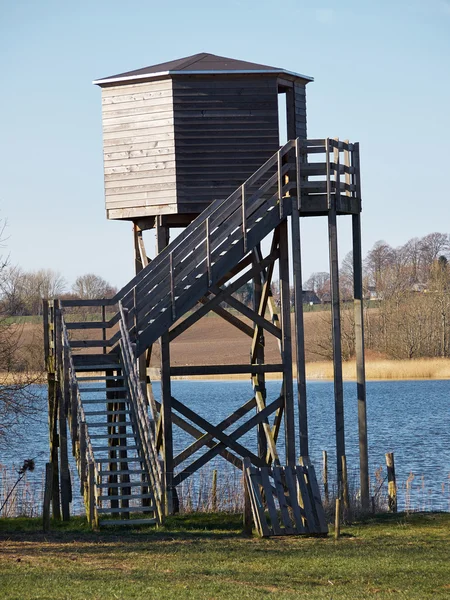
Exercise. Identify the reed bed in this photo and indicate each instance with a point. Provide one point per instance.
(423, 368)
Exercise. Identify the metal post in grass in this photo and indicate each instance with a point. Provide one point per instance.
(392, 486)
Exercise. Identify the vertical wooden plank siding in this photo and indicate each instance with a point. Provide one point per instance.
(286, 341)
(162, 239)
(336, 321)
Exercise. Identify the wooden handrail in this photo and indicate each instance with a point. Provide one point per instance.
(144, 430)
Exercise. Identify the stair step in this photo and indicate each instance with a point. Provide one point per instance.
(127, 472)
(91, 389)
(111, 436)
(123, 484)
(128, 522)
(110, 424)
(128, 459)
(98, 413)
(115, 449)
(102, 378)
(143, 509)
(127, 497)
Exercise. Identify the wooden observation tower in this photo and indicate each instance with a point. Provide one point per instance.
(194, 143)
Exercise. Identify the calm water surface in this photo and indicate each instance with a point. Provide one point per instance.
(409, 418)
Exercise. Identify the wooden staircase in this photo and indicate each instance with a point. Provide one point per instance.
(110, 424)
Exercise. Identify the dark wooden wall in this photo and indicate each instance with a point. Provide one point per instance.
(225, 129)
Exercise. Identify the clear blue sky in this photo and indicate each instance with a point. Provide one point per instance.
(381, 73)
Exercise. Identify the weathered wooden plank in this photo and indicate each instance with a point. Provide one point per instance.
(305, 499)
(291, 484)
(315, 495)
(277, 478)
(270, 501)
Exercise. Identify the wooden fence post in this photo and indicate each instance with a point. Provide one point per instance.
(392, 486)
(47, 496)
(337, 520)
(214, 491)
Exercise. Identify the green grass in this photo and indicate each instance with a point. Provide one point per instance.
(208, 556)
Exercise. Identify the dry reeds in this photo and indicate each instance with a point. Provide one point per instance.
(423, 368)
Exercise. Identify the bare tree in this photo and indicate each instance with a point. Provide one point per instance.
(92, 287)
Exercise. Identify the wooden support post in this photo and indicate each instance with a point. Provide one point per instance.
(345, 492)
(299, 329)
(326, 492)
(214, 491)
(337, 520)
(335, 312)
(49, 319)
(359, 344)
(62, 416)
(47, 496)
(286, 341)
(162, 240)
(392, 485)
(258, 355)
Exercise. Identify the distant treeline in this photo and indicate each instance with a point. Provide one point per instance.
(411, 287)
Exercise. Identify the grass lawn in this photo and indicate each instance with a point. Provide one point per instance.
(207, 556)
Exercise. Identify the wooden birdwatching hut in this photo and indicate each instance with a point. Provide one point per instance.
(195, 143)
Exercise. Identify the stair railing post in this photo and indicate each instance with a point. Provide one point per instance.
(104, 326)
(280, 182)
(172, 288)
(208, 251)
(244, 218)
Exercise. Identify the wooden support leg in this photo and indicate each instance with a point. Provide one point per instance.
(162, 239)
(286, 341)
(258, 358)
(62, 418)
(336, 327)
(360, 364)
(299, 329)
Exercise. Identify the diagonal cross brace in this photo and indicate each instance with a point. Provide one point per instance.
(236, 434)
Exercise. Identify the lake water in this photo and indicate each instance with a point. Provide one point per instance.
(409, 418)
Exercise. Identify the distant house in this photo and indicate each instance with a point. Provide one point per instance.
(310, 297)
(371, 293)
(326, 298)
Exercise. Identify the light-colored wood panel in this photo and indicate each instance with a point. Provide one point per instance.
(148, 160)
(141, 199)
(152, 152)
(139, 178)
(131, 89)
(149, 144)
(141, 211)
(143, 135)
(117, 103)
(159, 126)
(152, 117)
(137, 108)
(144, 167)
(138, 189)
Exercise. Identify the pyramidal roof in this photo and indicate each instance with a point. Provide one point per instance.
(199, 64)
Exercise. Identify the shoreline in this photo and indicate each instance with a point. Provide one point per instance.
(424, 369)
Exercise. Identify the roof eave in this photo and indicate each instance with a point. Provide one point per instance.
(130, 78)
